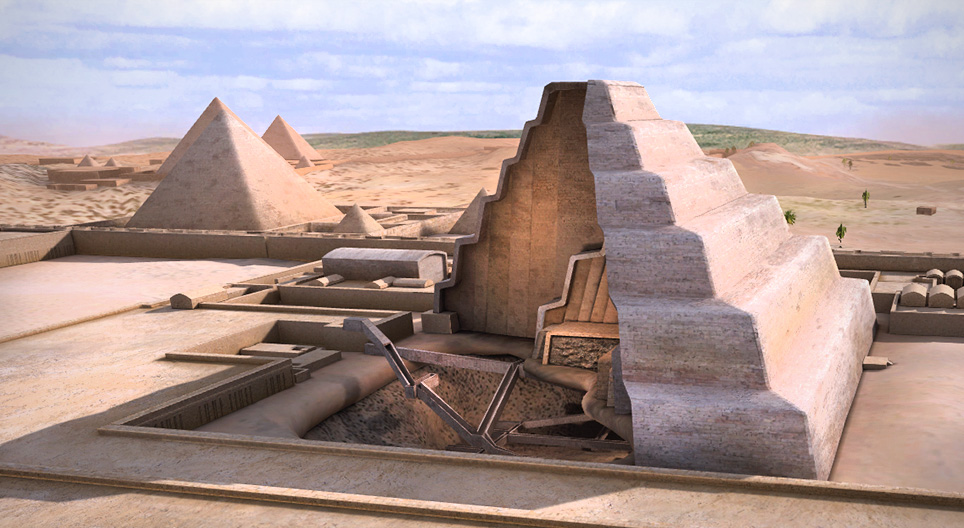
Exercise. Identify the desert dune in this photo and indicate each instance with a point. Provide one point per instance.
(448, 171)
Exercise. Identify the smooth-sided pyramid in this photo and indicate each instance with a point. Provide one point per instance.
(357, 221)
(304, 163)
(215, 107)
(111, 163)
(228, 178)
(468, 223)
(88, 162)
(741, 344)
(287, 142)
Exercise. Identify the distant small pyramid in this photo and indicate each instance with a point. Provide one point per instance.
(357, 221)
(287, 142)
(202, 122)
(229, 178)
(468, 223)
(304, 163)
(88, 162)
(111, 163)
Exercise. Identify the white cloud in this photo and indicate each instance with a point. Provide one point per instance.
(124, 63)
(547, 24)
(433, 69)
(301, 84)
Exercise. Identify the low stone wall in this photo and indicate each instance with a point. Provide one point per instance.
(896, 260)
(24, 248)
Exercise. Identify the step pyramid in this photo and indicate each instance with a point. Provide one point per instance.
(287, 142)
(357, 220)
(741, 345)
(228, 178)
(213, 108)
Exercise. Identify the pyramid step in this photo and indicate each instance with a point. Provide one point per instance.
(674, 195)
(695, 259)
(840, 323)
(820, 371)
(785, 289)
(661, 143)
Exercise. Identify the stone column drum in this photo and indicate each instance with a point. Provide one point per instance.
(741, 344)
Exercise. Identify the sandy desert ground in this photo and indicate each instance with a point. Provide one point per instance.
(447, 171)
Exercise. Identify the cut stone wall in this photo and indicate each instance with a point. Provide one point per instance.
(543, 212)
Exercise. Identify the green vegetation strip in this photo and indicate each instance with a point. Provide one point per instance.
(708, 137)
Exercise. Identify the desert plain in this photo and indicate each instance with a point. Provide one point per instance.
(822, 190)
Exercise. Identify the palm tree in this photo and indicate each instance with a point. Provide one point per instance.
(865, 196)
(790, 216)
(841, 232)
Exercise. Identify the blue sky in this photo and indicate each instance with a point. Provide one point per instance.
(93, 72)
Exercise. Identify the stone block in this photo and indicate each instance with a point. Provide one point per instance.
(440, 323)
(315, 359)
(876, 363)
(276, 350)
(380, 284)
(913, 295)
(954, 278)
(356, 263)
(412, 283)
(327, 280)
(941, 296)
(211, 294)
(928, 210)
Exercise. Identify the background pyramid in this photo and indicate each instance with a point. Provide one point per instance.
(304, 163)
(287, 142)
(88, 162)
(468, 223)
(357, 221)
(111, 163)
(229, 178)
(202, 122)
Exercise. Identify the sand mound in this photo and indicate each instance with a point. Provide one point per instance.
(769, 169)
(25, 199)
